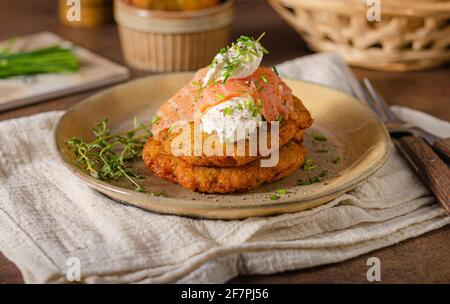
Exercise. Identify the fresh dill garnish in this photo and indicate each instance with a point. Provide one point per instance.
(336, 160)
(228, 111)
(319, 137)
(264, 78)
(309, 165)
(107, 156)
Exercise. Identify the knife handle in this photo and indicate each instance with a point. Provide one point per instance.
(429, 167)
(442, 146)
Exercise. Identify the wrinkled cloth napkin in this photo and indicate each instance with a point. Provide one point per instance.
(47, 215)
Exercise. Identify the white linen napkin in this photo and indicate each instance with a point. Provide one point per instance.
(48, 216)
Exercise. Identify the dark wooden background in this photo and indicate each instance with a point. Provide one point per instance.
(424, 259)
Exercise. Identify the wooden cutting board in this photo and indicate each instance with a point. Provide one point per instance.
(95, 71)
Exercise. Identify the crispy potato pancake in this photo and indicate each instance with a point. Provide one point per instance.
(289, 129)
(216, 179)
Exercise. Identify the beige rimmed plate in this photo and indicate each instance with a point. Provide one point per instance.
(356, 146)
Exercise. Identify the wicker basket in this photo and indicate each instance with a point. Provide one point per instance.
(412, 34)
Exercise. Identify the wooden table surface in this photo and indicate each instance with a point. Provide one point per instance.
(424, 259)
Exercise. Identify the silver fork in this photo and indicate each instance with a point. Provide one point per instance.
(410, 141)
(398, 127)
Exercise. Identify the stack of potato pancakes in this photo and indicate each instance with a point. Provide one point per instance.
(188, 146)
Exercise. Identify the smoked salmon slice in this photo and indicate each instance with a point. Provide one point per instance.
(264, 86)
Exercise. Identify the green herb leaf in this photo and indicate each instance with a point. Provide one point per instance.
(220, 96)
(274, 197)
(281, 191)
(336, 160)
(155, 119)
(264, 78)
(308, 165)
(274, 68)
(228, 111)
(106, 157)
(312, 180)
(322, 151)
(319, 137)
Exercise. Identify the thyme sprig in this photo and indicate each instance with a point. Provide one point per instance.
(107, 156)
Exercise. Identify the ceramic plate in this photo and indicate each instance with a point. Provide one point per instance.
(357, 145)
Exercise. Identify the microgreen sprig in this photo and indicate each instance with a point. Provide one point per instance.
(244, 50)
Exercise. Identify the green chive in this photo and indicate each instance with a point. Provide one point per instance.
(260, 103)
(220, 96)
(274, 68)
(308, 165)
(281, 191)
(155, 119)
(274, 197)
(264, 78)
(312, 180)
(319, 137)
(337, 160)
(228, 111)
(322, 151)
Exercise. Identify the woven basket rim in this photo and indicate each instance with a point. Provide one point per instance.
(405, 7)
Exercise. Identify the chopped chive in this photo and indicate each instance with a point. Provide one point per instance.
(260, 103)
(309, 165)
(279, 117)
(264, 78)
(274, 197)
(312, 180)
(324, 173)
(337, 160)
(281, 191)
(274, 68)
(251, 105)
(261, 36)
(303, 183)
(239, 106)
(220, 96)
(228, 111)
(322, 151)
(319, 137)
(160, 193)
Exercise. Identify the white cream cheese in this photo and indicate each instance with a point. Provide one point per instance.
(243, 57)
(232, 120)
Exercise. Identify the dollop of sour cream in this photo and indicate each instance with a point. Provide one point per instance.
(244, 57)
(231, 120)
